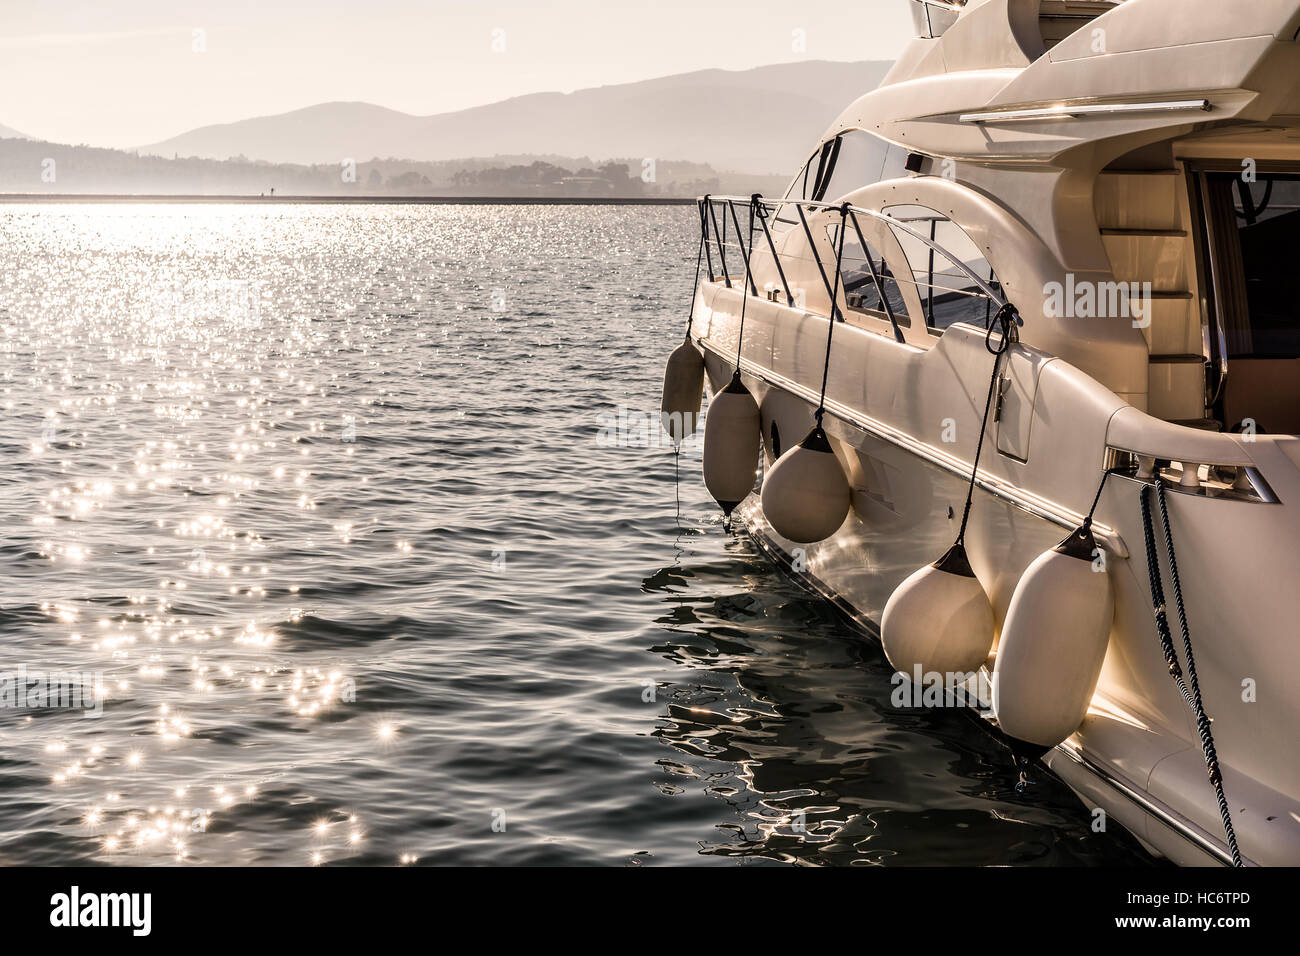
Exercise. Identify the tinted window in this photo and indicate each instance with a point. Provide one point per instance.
(814, 172)
(948, 294)
(852, 160)
(858, 163)
(860, 159)
(796, 188)
(1261, 302)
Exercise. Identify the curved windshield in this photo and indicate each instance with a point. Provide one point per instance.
(846, 163)
(948, 294)
(862, 159)
(806, 184)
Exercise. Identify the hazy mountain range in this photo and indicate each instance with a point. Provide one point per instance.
(710, 129)
(755, 121)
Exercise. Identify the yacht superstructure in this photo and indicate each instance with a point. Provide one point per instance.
(1126, 178)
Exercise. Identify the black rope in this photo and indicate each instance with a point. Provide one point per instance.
(836, 316)
(1191, 694)
(744, 286)
(677, 480)
(875, 278)
(1005, 320)
(1158, 599)
(812, 247)
(1087, 522)
(690, 313)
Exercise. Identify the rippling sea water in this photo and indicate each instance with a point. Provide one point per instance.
(321, 494)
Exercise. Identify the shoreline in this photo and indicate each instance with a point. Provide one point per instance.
(72, 198)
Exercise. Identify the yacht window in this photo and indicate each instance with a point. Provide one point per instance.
(862, 289)
(848, 162)
(796, 188)
(1249, 233)
(948, 294)
(805, 185)
(861, 160)
(1256, 230)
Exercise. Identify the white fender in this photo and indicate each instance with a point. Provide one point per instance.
(805, 495)
(731, 445)
(683, 386)
(939, 619)
(1053, 643)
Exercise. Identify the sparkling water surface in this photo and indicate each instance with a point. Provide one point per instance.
(327, 497)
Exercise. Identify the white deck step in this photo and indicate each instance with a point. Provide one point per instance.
(1161, 257)
(1143, 216)
(1139, 199)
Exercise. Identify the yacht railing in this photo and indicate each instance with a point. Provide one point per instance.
(733, 247)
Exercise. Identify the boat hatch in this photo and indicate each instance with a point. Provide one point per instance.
(1014, 412)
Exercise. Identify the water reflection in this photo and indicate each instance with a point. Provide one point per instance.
(314, 496)
(789, 722)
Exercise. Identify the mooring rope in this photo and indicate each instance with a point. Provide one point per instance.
(1191, 694)
(1006, 319)
(690, 309)
(835, 310)
(744, 287)
(1096, 499)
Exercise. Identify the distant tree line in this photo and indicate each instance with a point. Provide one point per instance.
(32, 166)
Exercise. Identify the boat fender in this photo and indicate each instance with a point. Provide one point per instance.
(731, 437)
(939, 620)
(683, 386)
(806, 496)
(1053, 643)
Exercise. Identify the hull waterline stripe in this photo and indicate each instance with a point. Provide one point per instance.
(1024, 500)
(1170, 818)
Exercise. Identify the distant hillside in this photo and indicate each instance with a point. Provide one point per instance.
(31, 166)
(760, 121)
(8, 132)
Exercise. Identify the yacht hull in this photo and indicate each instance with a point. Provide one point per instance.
(1104, 170)
(1136, 755)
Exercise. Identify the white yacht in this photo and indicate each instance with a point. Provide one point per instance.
(1047, 267)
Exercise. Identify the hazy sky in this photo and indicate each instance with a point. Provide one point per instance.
(126, 72)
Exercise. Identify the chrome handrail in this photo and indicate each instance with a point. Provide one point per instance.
(889, 221)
